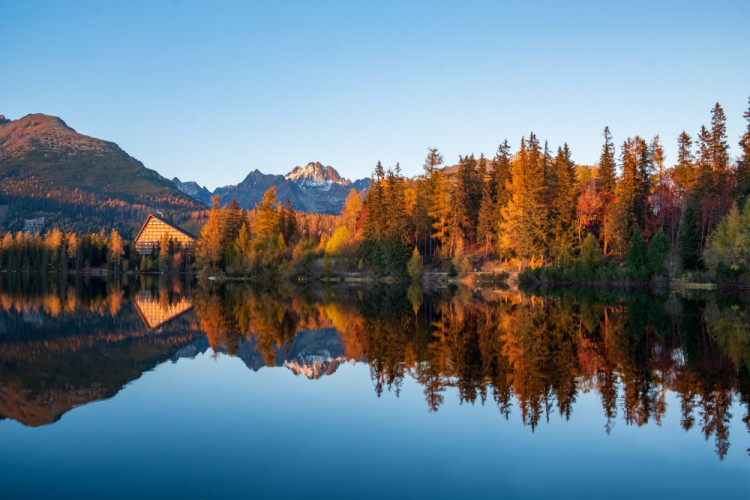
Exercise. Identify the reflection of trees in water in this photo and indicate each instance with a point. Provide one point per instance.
(539, 351)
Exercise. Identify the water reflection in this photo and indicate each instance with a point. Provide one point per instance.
(525, 353)
(67, 343)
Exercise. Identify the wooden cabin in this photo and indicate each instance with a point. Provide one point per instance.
(154, 229)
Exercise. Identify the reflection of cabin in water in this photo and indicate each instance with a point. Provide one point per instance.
(154, 229)
(155, 313)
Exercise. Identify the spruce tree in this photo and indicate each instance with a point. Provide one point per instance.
(688, 238)
(718, 142)
(605, 175)
(638, 265)
(742, 189)
(563, 210)
(524, 217)
(684, 170)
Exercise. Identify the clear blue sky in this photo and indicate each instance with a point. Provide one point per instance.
(209, 91)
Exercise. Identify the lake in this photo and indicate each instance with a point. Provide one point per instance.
(172, 389)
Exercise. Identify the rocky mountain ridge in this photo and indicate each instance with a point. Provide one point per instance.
(314, 188)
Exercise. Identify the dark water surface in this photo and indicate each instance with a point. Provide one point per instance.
(181, 390)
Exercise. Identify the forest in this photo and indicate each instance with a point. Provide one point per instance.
(630, 218)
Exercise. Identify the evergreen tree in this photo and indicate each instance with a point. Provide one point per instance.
(522, 227)
(688, 238)
(658, 250)
(656, 151)
(684, 170)
(638, 264)
(718, 143)
(501, 176)
(423, 210)
(232, 219)
(487, 221)
(742, 189)
(705, 180)
(467, 196)
(563, 210)
(605, 175)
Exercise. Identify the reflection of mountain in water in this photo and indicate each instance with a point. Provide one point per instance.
(313, 353)
(57, 362)
(316, 353)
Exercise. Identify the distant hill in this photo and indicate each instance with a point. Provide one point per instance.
(80, 183)
(314, 188)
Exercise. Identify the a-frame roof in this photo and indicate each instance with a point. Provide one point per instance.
(176, 228)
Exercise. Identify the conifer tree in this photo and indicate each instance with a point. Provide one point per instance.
(718, 142)
(684, 170)
(524, 215)
(486, 221)
(563, 210)
(742, 189)
(658, 250)
(638, 265)
(688, 239)
(501, 174)
(423, 210)
(440, 210)
(605, 175)
(467, 196)
(705, 179)
(232, 218)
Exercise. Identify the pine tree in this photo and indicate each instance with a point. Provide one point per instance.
(486, 221)
(440, 211)
(658, 250)
(522, 228)
(605, 175)
(705, 179)
(423, 210)
(232, 219)
(467, 197)
(638, 265)
(684, 170)
(563, 211)
(742, 189)
(718, 143)
(501, 175)
(688, 238)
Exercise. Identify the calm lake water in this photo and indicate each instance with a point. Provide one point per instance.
(181, 390)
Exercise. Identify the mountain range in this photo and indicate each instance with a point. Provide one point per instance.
(313, 188)
(81, 183)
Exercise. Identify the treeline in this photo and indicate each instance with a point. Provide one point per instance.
(60, 252)
(630, 216)
(81, 211)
